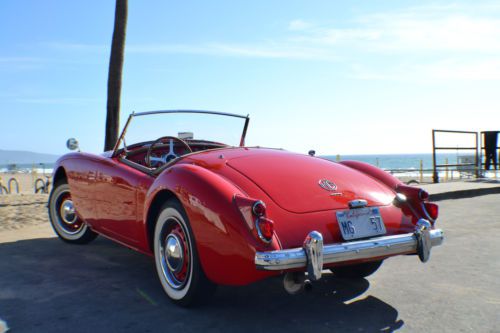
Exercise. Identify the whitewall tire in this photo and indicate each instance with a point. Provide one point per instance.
(176, 258)
(64, 219)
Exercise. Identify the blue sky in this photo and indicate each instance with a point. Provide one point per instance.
(340, 77)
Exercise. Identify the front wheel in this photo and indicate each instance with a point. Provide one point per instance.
(356, 271)
(176, 258)
(64, 220)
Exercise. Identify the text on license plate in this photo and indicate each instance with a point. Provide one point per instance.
(360, 223)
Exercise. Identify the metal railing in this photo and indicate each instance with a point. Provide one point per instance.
(474, 167)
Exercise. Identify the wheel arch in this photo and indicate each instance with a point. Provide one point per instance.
(59, 175)
(224, 244)
(154, 210)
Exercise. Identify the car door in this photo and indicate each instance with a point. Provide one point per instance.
(116, 193)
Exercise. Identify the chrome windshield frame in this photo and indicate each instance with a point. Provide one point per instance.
(146, 113)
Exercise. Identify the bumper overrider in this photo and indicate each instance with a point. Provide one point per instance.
(314, 254)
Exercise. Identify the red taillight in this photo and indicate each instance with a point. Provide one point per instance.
(432, 210)
(265, 228)
(259, 208)
(254, 213)
(423, 195)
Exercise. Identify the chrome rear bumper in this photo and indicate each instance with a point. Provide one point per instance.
(313, 254)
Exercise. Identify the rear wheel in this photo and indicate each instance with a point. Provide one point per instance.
(356, 271)
(176, 258)
(63, 218)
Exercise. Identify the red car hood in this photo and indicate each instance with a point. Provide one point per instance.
(292, 181)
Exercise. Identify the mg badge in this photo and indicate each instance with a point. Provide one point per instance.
(327, 185)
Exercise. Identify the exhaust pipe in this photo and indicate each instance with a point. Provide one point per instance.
(308, 286)
(295, 282)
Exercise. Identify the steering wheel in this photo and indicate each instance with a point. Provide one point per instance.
(165, 158)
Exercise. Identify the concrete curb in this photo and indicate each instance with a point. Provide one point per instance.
(461, 194)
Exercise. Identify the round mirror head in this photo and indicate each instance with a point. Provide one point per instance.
(72, 144)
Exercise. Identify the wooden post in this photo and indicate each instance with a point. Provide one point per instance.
(421, 171)
(477, 161)
(33, 174)
(446, 170)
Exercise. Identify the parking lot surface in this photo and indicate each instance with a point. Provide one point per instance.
(49, 286)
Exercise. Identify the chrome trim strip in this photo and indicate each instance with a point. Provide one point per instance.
(341, 252)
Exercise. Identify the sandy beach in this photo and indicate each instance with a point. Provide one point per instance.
(25, 181)
(22, 210)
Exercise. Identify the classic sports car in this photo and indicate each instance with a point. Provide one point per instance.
(211, 213)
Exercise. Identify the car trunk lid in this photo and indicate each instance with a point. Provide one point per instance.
(301, 183)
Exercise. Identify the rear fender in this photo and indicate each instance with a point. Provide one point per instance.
(379, 174)
(413, 195)
(225, 246)
(415, 206)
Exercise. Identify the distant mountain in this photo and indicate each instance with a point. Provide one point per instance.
(25, 157)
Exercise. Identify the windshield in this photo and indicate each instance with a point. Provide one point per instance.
(188, 125)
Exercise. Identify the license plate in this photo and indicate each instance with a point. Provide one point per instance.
(360, 223)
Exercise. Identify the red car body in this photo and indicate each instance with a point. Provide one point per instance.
(121, 201)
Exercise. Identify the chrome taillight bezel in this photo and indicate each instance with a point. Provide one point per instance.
(252, 214)
(423, 195)
(255, 209)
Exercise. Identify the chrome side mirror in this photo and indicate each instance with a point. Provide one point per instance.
(72, 144)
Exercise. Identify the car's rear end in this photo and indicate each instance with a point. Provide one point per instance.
(310, 214)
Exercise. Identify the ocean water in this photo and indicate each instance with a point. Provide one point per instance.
(37, 167)
(402, 161)
(388, 161)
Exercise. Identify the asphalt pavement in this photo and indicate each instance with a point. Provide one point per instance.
(462, 189)
(49, 286)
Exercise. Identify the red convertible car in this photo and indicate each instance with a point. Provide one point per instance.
(212, 213)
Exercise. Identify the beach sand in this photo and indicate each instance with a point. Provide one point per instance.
(22, 210)
(26, 181)
(25, 209)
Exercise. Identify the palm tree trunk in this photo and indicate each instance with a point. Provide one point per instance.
(115, 75)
